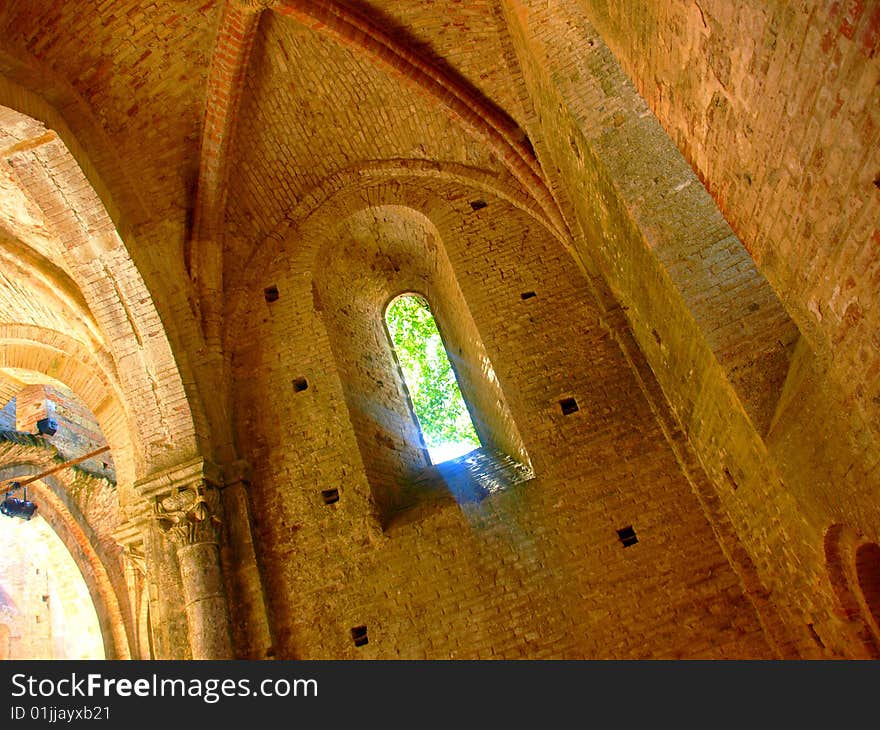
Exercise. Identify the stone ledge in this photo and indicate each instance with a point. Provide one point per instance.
(182, 475)
(466, 479)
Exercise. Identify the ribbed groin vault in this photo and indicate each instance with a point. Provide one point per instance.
(647, 234)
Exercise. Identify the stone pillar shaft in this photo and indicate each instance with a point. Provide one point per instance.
(205, 601)
(189, 517)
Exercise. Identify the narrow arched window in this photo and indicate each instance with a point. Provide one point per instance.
(436, 398)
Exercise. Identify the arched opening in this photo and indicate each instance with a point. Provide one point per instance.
(76, 314)
(60, 568)
(368, 261)
(52, 615)
(431, 381)
(853, 564)
(72, 285)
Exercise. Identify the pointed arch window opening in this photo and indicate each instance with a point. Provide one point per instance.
(429, 376)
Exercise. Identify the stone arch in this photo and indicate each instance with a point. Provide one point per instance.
(126, 373)
(33, 90)
(474, 113)
(416, 249)
(405, 251)
(853, 565)
(97, 260)
(55, 357)
(95, 564)
(374, 183)
(402, 185)
(491, 125)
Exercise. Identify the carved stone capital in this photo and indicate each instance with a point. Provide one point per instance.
(130, 534)
(168, 481)
(134, 554)
(189, 514)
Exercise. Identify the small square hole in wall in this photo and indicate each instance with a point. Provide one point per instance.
(271, 293)
(330, 495)
(359, 635)
(528, 295)
(478, 204)
(568, 406)
(300, 384)
(627, 536)
(729, 477)
(815, 636)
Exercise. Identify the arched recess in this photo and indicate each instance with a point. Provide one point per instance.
(372, 256)
(393, 182)
(35, 355)
(414, 213)
(853, 564)
(51, 356)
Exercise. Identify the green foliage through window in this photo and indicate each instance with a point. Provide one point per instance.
(444, 419)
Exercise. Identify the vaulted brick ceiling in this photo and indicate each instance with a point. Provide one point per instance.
(209, 102)
(141, 69)
(37, 289)
(313, 107)
(207, 128)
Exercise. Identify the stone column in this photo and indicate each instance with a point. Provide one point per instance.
(251, 635)
(135, 567)
(190, 517)
(151, 566)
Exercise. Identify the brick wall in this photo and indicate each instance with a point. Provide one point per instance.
(724, 360)
(627, 195)
(76, 431)
(535, 570)
(775, 108)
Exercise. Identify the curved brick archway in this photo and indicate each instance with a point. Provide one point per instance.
(373, 255)
(410, 183)
(88, 321)
(70, 227)
(52, 357)
(854, 573)
(98, 560)
(662, 214)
